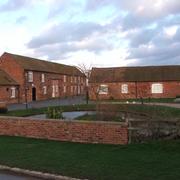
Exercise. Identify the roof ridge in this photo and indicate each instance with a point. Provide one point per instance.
(34, 64)
(153, 66)
(36, 59)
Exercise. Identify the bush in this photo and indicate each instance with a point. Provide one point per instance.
(108, 112)
(178, 96)
(3, 110)
(54, 113)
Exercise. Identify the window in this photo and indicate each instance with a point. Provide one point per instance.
(42, 77)
(79, 90)
(71, 78)
(64, 89)
(53, 91)
(75, 89)
(44, 90)
(56, 89)
(124, 88)
(13, 92)
(30, 76)
(103, 89)
(64, 78)
(157, 88)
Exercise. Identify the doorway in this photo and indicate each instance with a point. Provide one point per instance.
(34, 94)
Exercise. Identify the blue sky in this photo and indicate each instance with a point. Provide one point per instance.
(93, 32)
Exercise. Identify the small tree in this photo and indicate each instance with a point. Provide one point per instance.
(54, 113)
(86, 70)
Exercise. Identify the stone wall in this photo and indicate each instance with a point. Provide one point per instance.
(64, 130)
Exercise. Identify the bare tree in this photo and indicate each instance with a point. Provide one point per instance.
(86, 70)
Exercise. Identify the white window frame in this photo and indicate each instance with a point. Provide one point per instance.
(124, 89)
(157, 88)
(103, 89)
(30, 76)
(43, 78)
(13, 92)
(44, 90)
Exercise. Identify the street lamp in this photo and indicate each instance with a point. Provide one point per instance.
(26, 89)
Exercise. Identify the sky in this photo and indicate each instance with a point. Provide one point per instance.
(99, 33)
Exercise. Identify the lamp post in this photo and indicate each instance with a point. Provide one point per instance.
(26, 89)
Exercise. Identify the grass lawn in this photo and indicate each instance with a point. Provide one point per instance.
(145, 100)
(153, 160)
(161, 112)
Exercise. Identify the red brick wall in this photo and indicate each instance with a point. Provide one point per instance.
(73, 131)
(5, 95)
(12, 68)
(170, 90)
(54, 79)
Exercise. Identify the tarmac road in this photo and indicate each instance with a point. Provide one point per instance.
(12, 176)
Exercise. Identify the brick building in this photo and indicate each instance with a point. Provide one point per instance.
(40, 80)
(135, 82)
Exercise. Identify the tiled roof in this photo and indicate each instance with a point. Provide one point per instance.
(5, 79)
(133, 74)
(33, 64)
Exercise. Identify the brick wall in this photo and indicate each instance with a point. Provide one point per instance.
(73, 131)
(53, 79)
(141, 89)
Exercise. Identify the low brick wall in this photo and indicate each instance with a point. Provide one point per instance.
(65, 130)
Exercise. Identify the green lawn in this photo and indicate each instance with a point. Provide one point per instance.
(146, 100)
(154, 160)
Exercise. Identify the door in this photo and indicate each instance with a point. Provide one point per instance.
(34, 94)
(55, 88)
(53, 91)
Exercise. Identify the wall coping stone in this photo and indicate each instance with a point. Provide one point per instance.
(64, 121)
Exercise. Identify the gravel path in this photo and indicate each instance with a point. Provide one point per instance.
(47, 103)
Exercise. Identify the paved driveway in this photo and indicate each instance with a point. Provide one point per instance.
(47, 103)
(13, 176)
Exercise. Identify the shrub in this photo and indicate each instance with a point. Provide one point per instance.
(54, 113)
(108, 112)
(3, 110)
